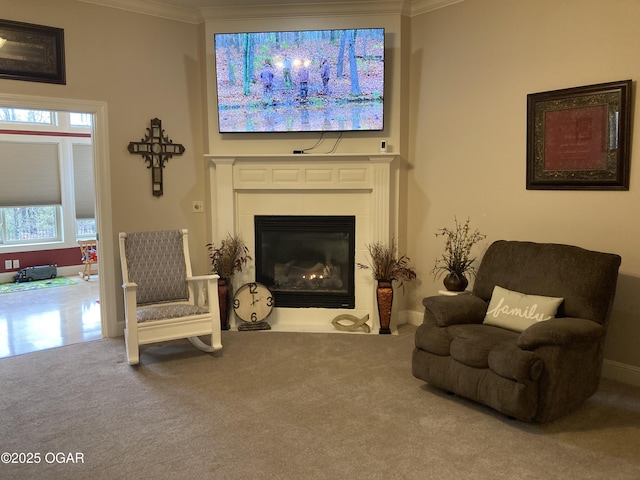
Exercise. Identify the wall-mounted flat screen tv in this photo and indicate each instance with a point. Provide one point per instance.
(300, 81)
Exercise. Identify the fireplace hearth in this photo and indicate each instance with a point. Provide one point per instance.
(307, 261)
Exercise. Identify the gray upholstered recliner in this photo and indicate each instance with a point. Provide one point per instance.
(543, 372)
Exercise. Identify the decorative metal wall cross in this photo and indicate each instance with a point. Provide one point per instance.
(156, 148)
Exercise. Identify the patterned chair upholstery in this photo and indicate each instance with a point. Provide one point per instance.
(163, 301)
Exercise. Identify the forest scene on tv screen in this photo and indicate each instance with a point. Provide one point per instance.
(315, 80)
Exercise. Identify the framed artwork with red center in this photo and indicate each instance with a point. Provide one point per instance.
(579, 138)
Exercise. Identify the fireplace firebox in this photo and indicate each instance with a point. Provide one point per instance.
(307, 261)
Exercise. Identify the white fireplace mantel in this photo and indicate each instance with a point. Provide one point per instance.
(364, 185)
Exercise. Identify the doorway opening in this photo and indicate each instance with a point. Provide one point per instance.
(103, 295)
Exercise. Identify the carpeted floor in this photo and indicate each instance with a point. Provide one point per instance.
(36, 285)
(287, 406)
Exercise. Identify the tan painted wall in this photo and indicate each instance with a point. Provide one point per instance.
(463, 138)
(142, 67)
(472, 66)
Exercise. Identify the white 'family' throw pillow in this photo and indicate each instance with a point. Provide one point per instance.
(517, 311)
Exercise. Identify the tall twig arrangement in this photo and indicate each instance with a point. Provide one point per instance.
(457, 258)
(385, 264)
(231, 256)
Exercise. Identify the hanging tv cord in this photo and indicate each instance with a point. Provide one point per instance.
(335, 146)
(304, 150)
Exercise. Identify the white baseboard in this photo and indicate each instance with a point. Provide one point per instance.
(620, 372)
(410, 317)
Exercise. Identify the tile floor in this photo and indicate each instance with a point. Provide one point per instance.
(50, 317)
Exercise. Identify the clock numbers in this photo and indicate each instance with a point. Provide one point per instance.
(253, 302)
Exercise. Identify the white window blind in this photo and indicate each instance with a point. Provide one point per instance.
(29, 174)
(83, 181)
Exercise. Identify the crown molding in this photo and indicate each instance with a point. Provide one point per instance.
(319, 8)
(419, 7)
(152, 8)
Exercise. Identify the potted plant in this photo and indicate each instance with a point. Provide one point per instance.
(387, 266)
(226, 259)
(456, 261)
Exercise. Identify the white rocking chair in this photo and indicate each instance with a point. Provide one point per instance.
(163, 301)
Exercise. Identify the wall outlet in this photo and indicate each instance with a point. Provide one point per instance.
(198, 206)
(7, 264)
(16, 264)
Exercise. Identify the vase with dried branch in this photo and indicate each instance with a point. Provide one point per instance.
(387, 266)
(456, 261)
(229, 257)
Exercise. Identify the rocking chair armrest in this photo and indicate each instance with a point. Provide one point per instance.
(130, 302)
(202, 287)
(199, 278)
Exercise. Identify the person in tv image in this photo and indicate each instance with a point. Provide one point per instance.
(324, 74)
(286, 71)
(266, 77)
(303, 82)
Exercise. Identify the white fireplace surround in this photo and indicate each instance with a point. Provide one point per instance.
(363, 185)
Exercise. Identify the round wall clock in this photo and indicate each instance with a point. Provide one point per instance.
(253, 303)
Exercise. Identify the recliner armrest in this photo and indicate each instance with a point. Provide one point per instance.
(455, 310)
(561, 331)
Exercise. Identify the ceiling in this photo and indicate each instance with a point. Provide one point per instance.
(198, 11)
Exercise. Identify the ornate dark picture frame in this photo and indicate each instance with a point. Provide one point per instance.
(31, 52)
(579, 138)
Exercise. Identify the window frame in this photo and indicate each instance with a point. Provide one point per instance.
(4, 241)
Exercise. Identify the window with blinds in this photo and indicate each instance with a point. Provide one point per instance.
(83, 187)
(30, 174)
(46, 179)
